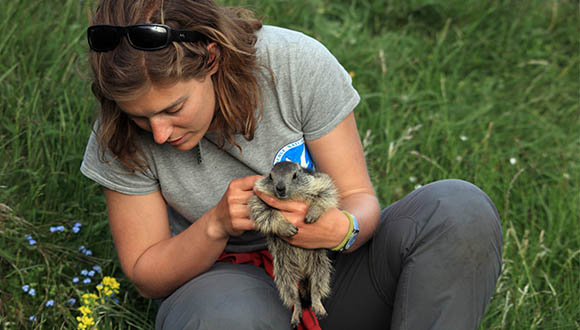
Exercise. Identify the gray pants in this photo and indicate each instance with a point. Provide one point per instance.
(433, 264)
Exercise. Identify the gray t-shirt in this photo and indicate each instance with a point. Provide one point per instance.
(310, 95)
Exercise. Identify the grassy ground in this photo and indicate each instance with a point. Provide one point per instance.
(486, 91)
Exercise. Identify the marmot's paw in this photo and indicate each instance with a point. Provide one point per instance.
(309, 218)
(289, 230)
(296, 314)
(318, 309)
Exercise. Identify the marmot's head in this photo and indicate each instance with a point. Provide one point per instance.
(287, 180)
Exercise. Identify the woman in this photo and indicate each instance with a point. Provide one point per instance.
(193, 111)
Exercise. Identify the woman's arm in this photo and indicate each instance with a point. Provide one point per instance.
(158, 263)
(339, 154)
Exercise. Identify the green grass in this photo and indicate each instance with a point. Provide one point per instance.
(450, 89)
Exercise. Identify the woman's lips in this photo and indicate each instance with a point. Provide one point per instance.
(177, 141)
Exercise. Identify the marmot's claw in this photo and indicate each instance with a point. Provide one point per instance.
(310, 219)
(296, 315)
(289, 231)
(318, 309)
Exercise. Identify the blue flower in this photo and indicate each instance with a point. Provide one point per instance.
(75, 280)
(32, 292)
(97, 268)
(72, 301)
(92, 273)
(85, 251)
(87, 280)
(76, 227)
(50, 303)
(84, 272)
(56, 228)
(25, 288)
(32, 318)
(30, 240)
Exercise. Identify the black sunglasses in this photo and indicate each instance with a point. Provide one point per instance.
(103, 38)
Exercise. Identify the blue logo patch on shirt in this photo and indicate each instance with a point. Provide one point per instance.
(295, 152)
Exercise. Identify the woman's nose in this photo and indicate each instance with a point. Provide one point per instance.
(161, 129)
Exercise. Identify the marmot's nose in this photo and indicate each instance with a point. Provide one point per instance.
(280, 190)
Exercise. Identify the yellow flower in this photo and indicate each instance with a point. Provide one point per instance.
(112, 283)
(92, 296)
(88, 321)
(351, 74)
(90, 299)
(85, 310)
(109, 286)
(85, 321)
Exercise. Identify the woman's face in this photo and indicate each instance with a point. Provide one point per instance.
(179, 115)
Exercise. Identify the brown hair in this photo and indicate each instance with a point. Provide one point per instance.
(124, 73)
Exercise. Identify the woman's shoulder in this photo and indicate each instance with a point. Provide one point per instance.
(292, 53)
(273, 35)
(279, 43)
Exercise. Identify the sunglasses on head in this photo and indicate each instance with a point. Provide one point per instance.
(103, 38)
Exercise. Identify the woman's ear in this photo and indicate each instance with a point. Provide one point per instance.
(213, 51)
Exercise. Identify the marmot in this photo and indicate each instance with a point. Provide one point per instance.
(298, 272)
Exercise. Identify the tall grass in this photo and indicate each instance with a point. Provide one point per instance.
(487, 92)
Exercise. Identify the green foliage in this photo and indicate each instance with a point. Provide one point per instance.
(485, 91)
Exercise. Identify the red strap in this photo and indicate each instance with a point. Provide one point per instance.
(263, 258)
(260, 258)
(308, 321)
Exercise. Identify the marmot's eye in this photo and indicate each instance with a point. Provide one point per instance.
(270, 177)
(295, 176)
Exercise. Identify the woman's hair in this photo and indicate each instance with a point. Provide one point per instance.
(124, 73)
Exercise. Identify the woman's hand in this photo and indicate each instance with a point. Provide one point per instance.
(327, 232)
(231, 213)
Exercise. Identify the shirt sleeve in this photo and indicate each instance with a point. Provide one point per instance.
(326, 92)
(112, 174)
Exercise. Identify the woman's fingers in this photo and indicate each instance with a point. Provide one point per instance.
(283, 205)
(245, 183)
(232, 209)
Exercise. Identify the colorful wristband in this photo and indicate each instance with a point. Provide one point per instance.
(348, 233)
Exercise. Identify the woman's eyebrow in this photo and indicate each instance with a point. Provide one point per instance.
(172, 105)
(167, 108)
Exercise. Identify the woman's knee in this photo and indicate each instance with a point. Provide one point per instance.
(463, 218)
(459, 202)
(447, 212)
(454, 251)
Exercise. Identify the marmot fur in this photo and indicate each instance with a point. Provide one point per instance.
(310, 268)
